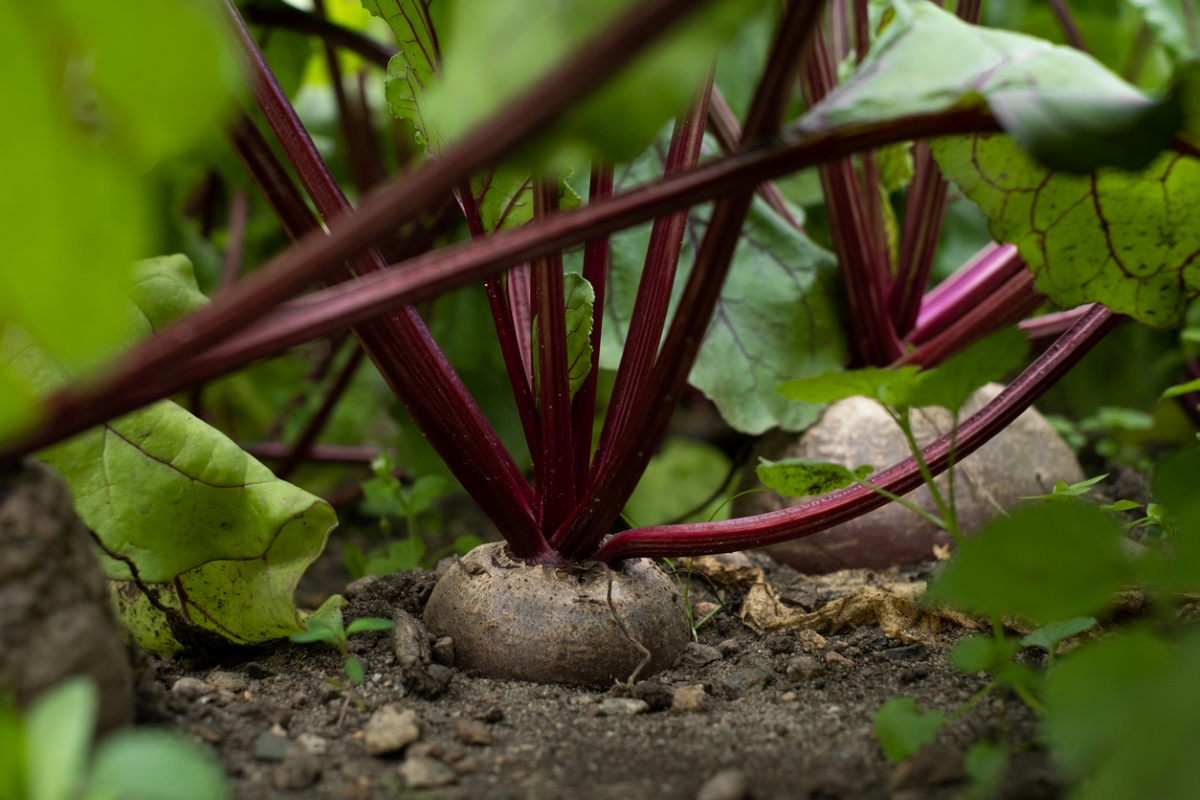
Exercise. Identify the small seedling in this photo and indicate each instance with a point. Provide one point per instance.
(386, 497)
(326, 626)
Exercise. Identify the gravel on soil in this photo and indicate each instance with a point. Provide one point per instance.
(742, 715)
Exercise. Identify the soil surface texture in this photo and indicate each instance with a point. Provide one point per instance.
(786, 713)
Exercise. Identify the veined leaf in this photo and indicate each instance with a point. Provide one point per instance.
(180, 511)
(579, 297)
(1123, 239)
(891, 387)
(1046, 563)
(800, 477)
(1060, 104)
(953, 381)
(776, 318)
(414, 70)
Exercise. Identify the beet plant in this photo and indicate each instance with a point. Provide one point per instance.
(1087, 183)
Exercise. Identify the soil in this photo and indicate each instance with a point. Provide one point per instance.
(743, 725)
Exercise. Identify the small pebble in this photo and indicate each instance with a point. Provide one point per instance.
(622, 706)
(426, 773)
(269, 747)
(313, 744)
(780, 644)
(836, 660)
(690, 700)
(472, 731)
(229, 681)
(703, 614)
(191, 688)
(728, 784)
(697, 655)
(729, 647)
(745, 681)
(355, 588)
(812, 642)
(804, 668)
(389, 729)
(443, 651)
(424, 750)
(299, 770)
(410, 640)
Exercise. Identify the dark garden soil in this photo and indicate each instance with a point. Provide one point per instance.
(780, 715)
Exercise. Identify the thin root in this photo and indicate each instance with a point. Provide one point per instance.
(646, 655)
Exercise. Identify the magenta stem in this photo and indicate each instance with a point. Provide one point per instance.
(556, 461)
(595, 272)
(841, 506)
(653, 300)
(984, 274)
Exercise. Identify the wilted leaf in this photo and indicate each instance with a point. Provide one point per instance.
(1046, 563)
(902, 729)
(800, 477)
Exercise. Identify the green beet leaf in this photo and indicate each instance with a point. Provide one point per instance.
(891, 387)
(119, 87)
(799, 477)
(493, 50)
(956, 379)
(1050, 562)
(579, 297)
(984, 764)
(1123, 239)
(12, 752)
(777, 316)
(58, 738)
(902, 729)
(197, 536)
(1173, 23)
(1123, 717)
(1060, 104)
(683, 477)
(369, 624)
(354, 670)
(156, 764)
(1047, 637)
(1174, 487)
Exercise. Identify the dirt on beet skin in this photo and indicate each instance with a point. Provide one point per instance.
(743, 715)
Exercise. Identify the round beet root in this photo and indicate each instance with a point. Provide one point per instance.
(1026, 458)
(517, 622)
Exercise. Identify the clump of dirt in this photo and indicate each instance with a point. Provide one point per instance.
(782, 714)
